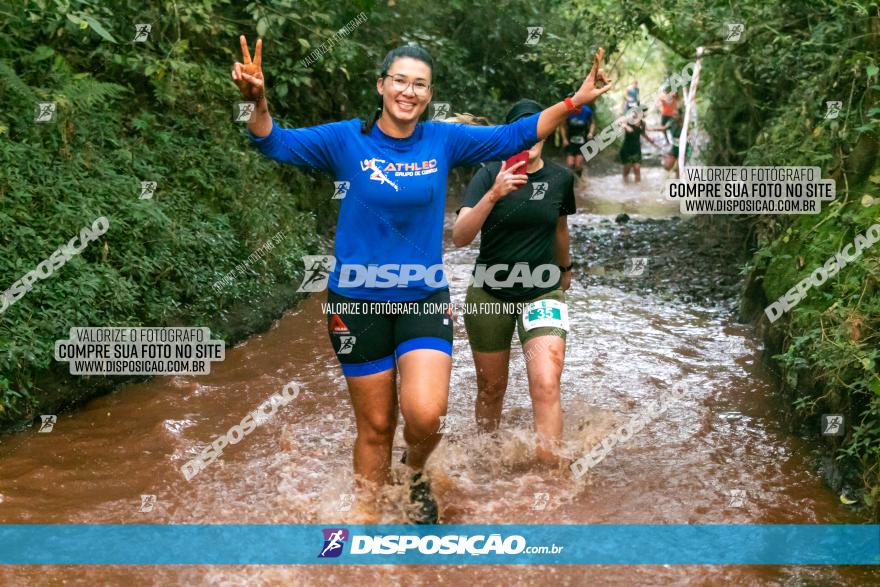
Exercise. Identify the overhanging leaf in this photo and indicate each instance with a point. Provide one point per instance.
(262, 26)
(99, 29)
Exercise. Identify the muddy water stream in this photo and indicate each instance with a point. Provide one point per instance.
(717, 455)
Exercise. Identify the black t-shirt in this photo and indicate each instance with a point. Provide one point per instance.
(521, 228)
(632, 136)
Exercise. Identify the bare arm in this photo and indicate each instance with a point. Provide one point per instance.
(470, 220)
(563, 254)
(649, 139)
(555, 115)
(248, 76)
(261, 122)
(562, 249)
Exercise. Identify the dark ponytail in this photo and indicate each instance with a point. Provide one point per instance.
(412, 51)
(366, 127)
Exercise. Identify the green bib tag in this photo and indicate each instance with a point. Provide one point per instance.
(552, 313)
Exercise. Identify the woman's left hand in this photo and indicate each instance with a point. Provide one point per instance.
(566, 281)
(589, 90)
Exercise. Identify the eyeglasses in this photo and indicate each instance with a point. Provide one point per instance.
(400, 84)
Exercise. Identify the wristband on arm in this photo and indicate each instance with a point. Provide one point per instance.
(569, 105)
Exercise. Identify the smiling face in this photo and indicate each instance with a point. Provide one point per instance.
(405, 106)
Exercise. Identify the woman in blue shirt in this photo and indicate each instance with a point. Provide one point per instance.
(386, 277)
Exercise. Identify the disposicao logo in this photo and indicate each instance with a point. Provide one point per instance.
(431, 544)
(334, 540)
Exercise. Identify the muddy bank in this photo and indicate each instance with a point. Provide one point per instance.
(56, 391)
(699, 261)
(689, 260)
(824, 352)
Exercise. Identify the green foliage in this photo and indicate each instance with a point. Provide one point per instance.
(129, 112)
(830, 359)
(762, 101)
(777, 84)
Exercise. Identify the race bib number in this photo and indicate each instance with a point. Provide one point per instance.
(577, 140)
(552, 313)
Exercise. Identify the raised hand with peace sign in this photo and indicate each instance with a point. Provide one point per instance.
(595, 84)
(248, 76)
(589, 90)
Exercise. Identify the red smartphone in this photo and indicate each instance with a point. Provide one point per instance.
(522, 156)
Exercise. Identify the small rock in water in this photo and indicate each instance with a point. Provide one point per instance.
(622, 218)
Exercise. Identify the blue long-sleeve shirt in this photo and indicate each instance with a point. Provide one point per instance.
(391, 214)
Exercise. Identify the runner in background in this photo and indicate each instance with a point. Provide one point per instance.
(521, 216)
(632, 94)
(668, 102)
(631, 151)
(579, 128)
(673, 128)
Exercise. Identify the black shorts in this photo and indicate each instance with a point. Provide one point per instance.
(630, 156)
(574, 148)
(368, 337)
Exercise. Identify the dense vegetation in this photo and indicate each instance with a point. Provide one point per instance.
(161, 111)
(767, 99)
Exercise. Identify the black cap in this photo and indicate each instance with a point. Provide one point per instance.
(522, 109)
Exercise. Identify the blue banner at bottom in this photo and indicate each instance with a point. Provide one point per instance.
(599, 544)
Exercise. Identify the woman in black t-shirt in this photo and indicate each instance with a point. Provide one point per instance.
(631, 150)
(522, 270)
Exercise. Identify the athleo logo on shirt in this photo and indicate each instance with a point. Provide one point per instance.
(423, 168)
(380, 168)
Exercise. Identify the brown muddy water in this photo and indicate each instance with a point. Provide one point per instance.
(718, 454)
